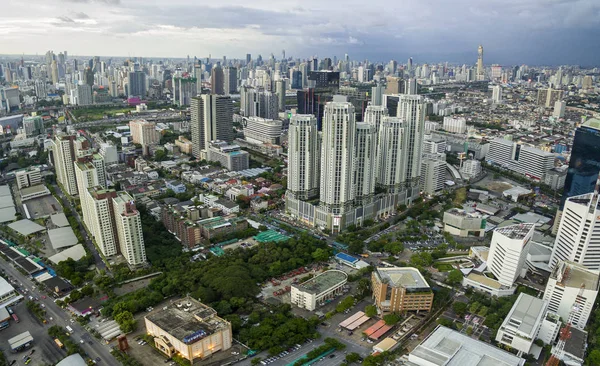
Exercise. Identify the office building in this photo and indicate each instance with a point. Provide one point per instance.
(571, 292)
(470, 168)
(578, 237)
(377, 95)
(394, 85)
(258, 103)
(547, 97)
(318, 290)
(337, 152)
(81, 95)
(136, 84)
(434, 145)
(448, 347)
(527, 321)
(280, 90)
(365, 162)
(527, 160)
(212, 119)
(559, 109)
(129, 229)
(497, 94)
(508, 251)
(480, 69)
(189, 329)
(455, 124)
(260, 130)
(231, 157)
(464, 224)
(33, 126)
(184, 88)
(63, 154)
(28, 177)
(400, 289)
(230, 80)
(304, 153)
(433, 173)
(54, 72)
(324, 79)
(217, 81)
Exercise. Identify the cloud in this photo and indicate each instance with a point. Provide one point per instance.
(81, 15)
(65, 19)
(109, 2)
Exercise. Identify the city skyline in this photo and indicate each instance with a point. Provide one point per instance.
(547, 32)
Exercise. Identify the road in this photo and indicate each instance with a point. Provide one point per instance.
(88, 242)
(61, 318)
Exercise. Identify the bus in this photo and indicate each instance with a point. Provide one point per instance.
(15, 318)
(58, 343)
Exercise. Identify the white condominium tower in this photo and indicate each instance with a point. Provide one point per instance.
(390, 155)
(411, 108)
(337, 155)
(578, 237)
(98, 216)
(365, 162)
(304, 153)
(508, 251)
(63, 153)
(571, 292)
(129, 229)
(374, 114)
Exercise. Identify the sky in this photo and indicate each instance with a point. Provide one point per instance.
(533, 32)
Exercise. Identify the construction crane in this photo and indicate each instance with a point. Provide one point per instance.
(565, 332)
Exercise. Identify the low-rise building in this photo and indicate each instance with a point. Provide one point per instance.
(400, 289)
(176, 186)
(231, 157)
(317, 290)
(461, 223)
(218, 226)
(185, 145)
(490, 286)
(189, 329)
(28, 177)
(8, 294)
(523, 324)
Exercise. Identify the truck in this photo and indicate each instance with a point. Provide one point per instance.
(69, 329)
(58, 343)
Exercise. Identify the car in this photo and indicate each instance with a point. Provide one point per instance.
(72, 321)
(332, 356)
(28, 361)
(90, 343)
(81, 341)
(97, 359)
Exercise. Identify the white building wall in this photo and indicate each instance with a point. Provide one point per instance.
(507, 256)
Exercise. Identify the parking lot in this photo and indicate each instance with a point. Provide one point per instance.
(43, 206)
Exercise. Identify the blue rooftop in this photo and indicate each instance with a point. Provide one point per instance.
(347, 258)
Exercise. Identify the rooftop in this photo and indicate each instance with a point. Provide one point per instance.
(577, 343)
(489, 282)
(517, 232)
(446, 347)
(188, 320)
(62, 237)
(323, 281)
(59, 219)
(72, 360)
(526, 312)
(5, 287)
(407, 277)
(571, 274)
(26, 227)
(593, 123)
(76, 253)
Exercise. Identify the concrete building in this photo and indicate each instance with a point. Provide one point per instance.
(508, 251)
(231, 157)
(455, 124)
(185, 145)
(482, 283)
(571, 292)
(63, 154)
(230, 80)
(400, 289)
(374, 115)
(109, 152)
(412, 110)
(559, 109)
(28, 177)
(433, 173)
(448, 347)
(391, 153)
(144, 133)
(497, 94)
(189, 329)
(547, 97)
(33, 126)
(129, 229)
(523, 324)
(304, 153)
(136, 86)
(529, 161)
(470, 168)
(556, 178)
(8, 294)
(261, 130)
(578, 237)
(434, 145)
(212, 119)
(460, 223)
(365, 163)
(98, 216)
(317, 290)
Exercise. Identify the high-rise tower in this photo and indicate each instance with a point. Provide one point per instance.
(212, 119)
(480, 71)
(304, 157)
(411, 109)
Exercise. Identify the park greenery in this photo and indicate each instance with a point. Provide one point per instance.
(330, 343)
(60, 333)
(593, 355)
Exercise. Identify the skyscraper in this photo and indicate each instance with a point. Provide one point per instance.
(63, 154)
(374, 115)
(129, 229)
(497, 94)
(480, 69)
(304, 152)
(54, 71)
(98, 216)
(216, 81)
(230, 82)
(337, 154)
(136, 84)
(391, 153)
(144, 133)
(212, 119)
(411, 109)
(280, 90)
(365, 162)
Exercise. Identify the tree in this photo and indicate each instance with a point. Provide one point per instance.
(371, 311)
(454, 277)
(593, 358)
(474, 307)
(352, 357)
(460, 308)
(321, 255)
(391, 319)
(126, 321)
(345, 304)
